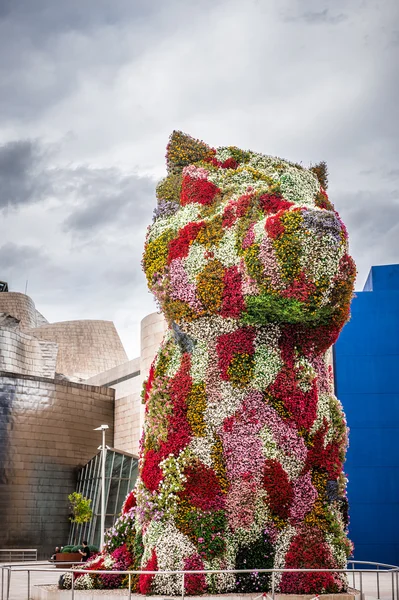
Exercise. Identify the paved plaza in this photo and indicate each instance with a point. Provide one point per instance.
(19, 585)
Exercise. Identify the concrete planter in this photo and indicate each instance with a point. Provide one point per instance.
(50, 592)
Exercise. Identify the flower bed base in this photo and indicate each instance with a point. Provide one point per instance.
(51, 592)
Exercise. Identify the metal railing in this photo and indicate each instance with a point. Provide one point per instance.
(18, 555)
(357, 575)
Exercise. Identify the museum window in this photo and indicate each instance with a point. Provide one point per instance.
(120, 478)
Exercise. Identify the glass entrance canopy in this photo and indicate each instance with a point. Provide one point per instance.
(121, 471)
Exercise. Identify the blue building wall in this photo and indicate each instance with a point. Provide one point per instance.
(366, 363)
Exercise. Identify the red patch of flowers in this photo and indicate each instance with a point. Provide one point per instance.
(301, 288)
(301, 405)
(149, 382)
(145, 581)
(274, 226)
(201, 191)
(271, 203)
(326, 458)
(232, 300)
(203, 488)
(242, 204)
(179, 430)
(308, 550)
(194, 584)
(151, 473)
(180, 246)
(129, 503)
(229, 216)
(278, 487)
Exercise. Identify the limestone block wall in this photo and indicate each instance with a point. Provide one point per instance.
(85, 348)
(126, 380)
(127, 423)
(24, 354)
(46, 428)
(19, 306)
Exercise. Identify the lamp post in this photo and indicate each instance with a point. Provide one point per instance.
(103, 448)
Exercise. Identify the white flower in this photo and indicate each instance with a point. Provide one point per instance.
(226, 251)
(199, 361)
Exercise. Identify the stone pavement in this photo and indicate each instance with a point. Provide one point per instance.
(19, 584)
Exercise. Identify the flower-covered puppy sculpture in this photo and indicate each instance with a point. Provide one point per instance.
(244, 440)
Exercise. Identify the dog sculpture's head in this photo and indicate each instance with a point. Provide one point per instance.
(248, 237)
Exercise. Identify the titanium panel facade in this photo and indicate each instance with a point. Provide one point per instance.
(367, 383)
(46, 432)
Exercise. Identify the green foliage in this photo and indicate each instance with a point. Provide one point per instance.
(272, 308)
(80, 507)
(170, 188)
(67, 549)
(321, 172)
(207, 529)
(258, 555)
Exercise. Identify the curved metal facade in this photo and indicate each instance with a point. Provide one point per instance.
(46, 432)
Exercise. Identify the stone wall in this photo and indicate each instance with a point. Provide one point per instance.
(153, 328)
(85, 348)
(46, 428)
(125, 379)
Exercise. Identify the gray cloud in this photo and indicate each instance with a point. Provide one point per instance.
(101, 85)
(323, 16)
(108, 197)
(14, 256)
(21, 180)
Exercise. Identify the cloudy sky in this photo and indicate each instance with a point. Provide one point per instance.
(91, 89)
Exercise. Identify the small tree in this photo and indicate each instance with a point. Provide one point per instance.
(80, 507)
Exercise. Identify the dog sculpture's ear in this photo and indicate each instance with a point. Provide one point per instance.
(183, 150)
(321, 172)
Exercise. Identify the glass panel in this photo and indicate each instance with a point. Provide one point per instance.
(133, 475)
(113, 496)
(109, 457)
(126, 467)
(123, 490)
(116, 467)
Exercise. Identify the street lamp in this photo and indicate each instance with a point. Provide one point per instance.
(103, 449)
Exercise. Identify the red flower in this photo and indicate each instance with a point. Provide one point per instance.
(232, 299)
(324, 457)
(242, 204)
(274, 226)
(278, 487)
(151, 473)
(271, 203)
(194, 584)
(202, 488)
(129, 502)
(145, 581)
(229, 216)
(197, 190)
(150, 381)
(300, 289)
(180, 246)
(230, 163)
(308, 550)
